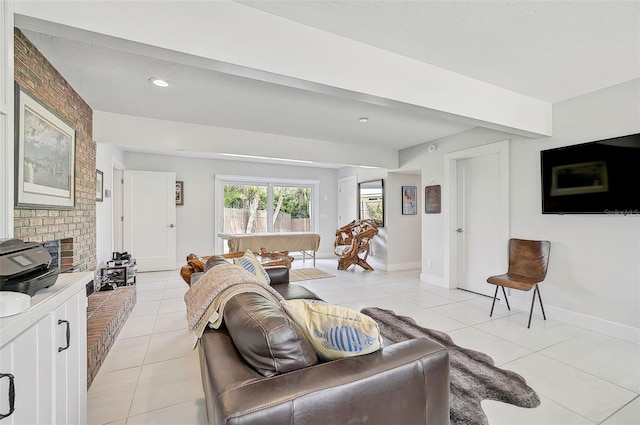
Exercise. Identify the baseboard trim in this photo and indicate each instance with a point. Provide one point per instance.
(596, 324)
(404, 266)
(434, 280)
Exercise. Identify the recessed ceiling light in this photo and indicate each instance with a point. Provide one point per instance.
(158, 82)
(363, 119)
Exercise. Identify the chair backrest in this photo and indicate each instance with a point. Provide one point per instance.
(529, 258)
(357, 233)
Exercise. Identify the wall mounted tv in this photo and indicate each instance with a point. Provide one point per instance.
(601, 177)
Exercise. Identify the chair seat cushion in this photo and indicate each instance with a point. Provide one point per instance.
(522, 283)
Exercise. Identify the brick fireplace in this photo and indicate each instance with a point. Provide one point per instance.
(75, 226)
(61, 251)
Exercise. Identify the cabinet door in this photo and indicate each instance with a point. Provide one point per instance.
(70, 351)
(28, 358)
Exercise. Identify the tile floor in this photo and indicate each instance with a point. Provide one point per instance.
(151, 375)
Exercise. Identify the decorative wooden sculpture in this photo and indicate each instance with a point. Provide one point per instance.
(352, 243)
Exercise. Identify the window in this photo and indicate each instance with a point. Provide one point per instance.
(258, 205)
(291, 209)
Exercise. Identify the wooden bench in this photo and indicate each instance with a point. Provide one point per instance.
(107, 312)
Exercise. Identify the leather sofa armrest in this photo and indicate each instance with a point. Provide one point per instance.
(278, 274)
(404, 383)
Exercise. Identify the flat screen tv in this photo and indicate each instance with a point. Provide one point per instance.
(600, 177)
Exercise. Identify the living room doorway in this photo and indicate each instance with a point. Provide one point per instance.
(478, 228)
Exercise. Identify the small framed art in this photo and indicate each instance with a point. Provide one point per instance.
(409, 200)
(179, 192)
(99, 186)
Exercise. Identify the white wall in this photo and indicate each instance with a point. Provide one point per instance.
(594, 272)
(403, 231)
(195, 219)
(105, 156)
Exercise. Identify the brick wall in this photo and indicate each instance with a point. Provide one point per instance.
(39, 78)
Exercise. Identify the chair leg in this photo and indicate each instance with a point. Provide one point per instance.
(533, 299)
(541, 306)
(495, 295)
(506, 299)
(494, 300)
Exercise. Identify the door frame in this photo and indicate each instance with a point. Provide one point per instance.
(117, 205)
(450, 199)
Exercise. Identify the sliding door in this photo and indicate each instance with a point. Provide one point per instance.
(259, 205)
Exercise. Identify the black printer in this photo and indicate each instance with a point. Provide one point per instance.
(24, 267)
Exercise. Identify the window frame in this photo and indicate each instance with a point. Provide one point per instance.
(223, 179)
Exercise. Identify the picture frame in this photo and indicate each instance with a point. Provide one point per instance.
(409, 200)
(433, 199)
(99, 186)
(44, 156)
(179, 192)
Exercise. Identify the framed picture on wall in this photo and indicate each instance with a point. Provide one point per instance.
(99, 186)
(44, 156)
(179, 193)
(432, 199)
(409, 200)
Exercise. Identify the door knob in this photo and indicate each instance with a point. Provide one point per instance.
(171, 225)
(459, 230)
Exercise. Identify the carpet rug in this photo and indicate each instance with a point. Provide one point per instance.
(296, 275)
(473, 375)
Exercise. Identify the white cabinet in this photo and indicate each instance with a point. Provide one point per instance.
(43, 353)
(29, 360)
(70, 351)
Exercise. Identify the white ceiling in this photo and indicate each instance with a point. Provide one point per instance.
(547, 50)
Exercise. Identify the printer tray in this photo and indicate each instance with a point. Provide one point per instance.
(30, 283)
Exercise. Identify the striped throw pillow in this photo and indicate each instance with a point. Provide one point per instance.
(250, 263)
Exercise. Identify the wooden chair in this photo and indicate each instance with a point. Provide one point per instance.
(352, 244)
(528, 263)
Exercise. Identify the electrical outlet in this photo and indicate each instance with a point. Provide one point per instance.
(429, 264)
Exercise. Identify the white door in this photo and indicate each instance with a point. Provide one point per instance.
(149, 219)
(347, 200)
(478, 222)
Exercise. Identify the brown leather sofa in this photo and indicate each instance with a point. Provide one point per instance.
(279, 382)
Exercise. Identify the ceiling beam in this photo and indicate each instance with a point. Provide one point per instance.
(239, 40)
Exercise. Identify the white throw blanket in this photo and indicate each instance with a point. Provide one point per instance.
(207, 297)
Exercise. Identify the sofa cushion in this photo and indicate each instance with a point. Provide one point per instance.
(250, 263)
(335, 331)
(268, 340)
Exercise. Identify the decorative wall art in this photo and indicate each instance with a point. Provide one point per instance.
(99, 186)
(409, 200)
(179, 193)
(432, 199)
(44, 156)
